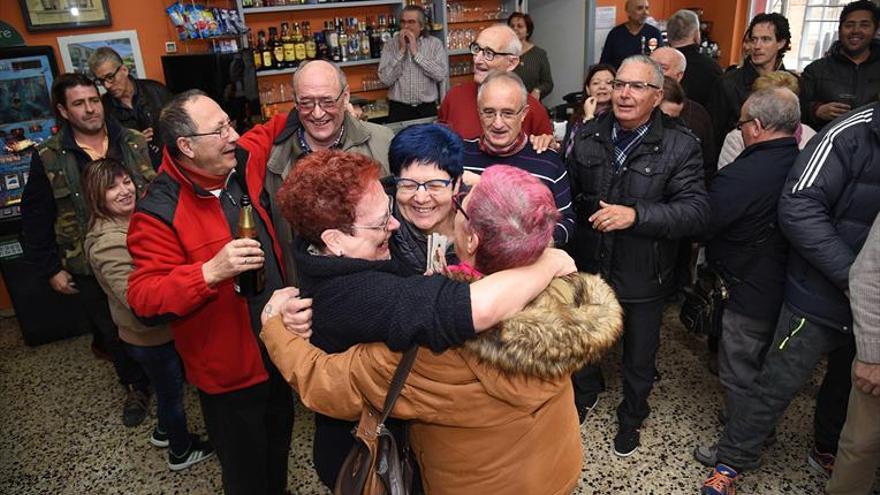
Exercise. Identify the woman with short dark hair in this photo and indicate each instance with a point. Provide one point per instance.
(534, 66)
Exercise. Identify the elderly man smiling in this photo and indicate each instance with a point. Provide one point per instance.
(637, 183)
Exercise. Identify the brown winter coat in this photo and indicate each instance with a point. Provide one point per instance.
(108, 256)
(494, 416)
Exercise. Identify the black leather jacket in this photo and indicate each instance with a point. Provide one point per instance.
(149, 98)
(662, 179)
(835, 75)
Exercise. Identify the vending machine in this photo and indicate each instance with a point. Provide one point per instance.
(27, 119)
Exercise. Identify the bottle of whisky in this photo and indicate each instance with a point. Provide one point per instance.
(300, 43)
(287, 45)
(277, 48)
(343, 40)
(365, 41)
(251, 282)
(258, 57)
(354, 40)
(333, 42)
(311, 45)
(265, 51)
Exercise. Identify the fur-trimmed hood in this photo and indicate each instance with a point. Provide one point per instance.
(575, 321)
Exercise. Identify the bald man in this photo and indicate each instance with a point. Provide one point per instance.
(693, 115)
(633, 37)
(683, 33)
(496, 48)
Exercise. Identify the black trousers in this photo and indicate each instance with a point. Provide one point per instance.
(94, 300)
(641, 338)
(251, 430)
(401, 111)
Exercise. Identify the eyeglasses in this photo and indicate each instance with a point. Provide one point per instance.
(488, 53)
(383, 225)
(108, 79)
(408, 187)
(223, 132)
(637, 86)
(489, 114)
(326, 104)
(741, 123)
(458, 202)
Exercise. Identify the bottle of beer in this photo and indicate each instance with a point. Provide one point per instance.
(251, 282)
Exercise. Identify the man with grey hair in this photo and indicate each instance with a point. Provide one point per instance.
(501, 103)
(320, 121)
(496, 48)
(187, 253)
(745, 247)
(683, 33)
(134, 103)
(637, 184)
(413, 64)
(633, 37)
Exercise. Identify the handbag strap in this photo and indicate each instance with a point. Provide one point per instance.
(403, 368)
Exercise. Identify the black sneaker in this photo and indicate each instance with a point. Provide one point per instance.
(626, 442)
(585, 410)
(159, 438)
(707, 455)
(197, 452)
(134, 410)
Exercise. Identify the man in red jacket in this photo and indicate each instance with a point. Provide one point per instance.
(496, 49)
(182, 239)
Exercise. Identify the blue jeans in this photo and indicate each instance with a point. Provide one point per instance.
(162, 365)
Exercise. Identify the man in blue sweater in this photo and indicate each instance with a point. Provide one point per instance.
(502, 108)
(633, 37)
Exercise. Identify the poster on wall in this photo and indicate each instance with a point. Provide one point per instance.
(76, 50)
(44, 15)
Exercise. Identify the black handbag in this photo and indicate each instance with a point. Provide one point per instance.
(703, 305)
(378, 464)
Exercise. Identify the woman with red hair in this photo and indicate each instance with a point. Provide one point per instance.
(342, 219)
(494, 415)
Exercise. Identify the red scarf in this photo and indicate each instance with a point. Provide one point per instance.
(513, 148)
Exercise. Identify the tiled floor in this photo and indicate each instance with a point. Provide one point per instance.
(60, 431)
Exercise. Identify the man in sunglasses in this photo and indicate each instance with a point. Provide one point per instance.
(134, 103)
(496, 48)
(54, 220)
(501, 103)
(637, 182)
(319, 122)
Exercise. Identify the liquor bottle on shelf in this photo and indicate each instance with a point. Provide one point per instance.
(323, 51)
(343, 40)
(258, 57)
(354, 40)
(266, 51)
(365, 41)
(384, 34)
(332, 37)
(287, 46)
(392, 26)
(299, 43)
(375, 40)
(311, 45)
(277, 48)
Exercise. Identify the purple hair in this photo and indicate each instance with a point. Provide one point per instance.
(514, 215)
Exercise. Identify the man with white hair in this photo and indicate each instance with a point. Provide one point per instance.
(496, 48)
(633, 37)
(683, 33)
(693, 114)
(637, 183)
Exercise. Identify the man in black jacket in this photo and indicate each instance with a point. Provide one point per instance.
(701, 72)
(637, 180)
(849, 75)
(135, 103)
(771, 38)
(746, 246)
(827, 207)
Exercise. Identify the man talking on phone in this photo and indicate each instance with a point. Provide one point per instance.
(413, 64)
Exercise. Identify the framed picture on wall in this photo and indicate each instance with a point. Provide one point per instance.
(45, 15)
(76, 50)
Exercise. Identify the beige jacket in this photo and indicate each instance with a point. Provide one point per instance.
(496, 416)
(108, 256)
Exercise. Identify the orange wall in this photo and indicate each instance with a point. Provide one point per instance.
(147, 17)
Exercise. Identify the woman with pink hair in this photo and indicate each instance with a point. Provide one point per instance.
(494, 415)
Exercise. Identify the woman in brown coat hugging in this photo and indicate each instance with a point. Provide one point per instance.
(494, 415)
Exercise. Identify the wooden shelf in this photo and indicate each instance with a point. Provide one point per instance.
(350, 63)
(319, 6)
